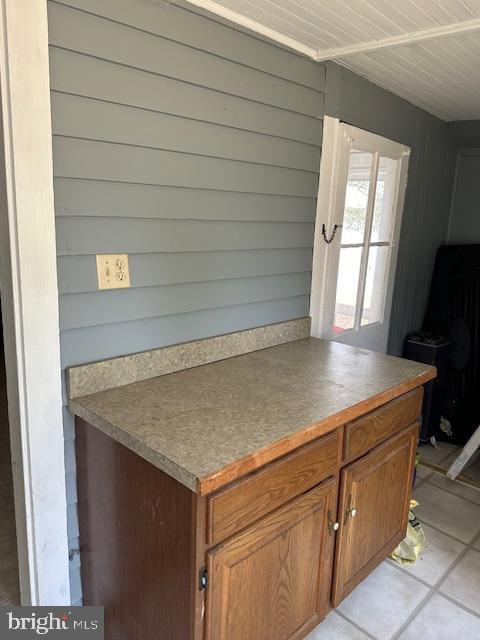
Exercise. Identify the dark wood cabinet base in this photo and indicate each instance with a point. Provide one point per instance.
(255, 559)
(137, 541)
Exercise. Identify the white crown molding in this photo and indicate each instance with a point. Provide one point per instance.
(322, 55)
(468, 26)
(255, 26)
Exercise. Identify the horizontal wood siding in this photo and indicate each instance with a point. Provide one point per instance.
(195, 148)
(93, 160)
(178, 137)
(79, 197)
(77, 236)
(85, 118)
(75, 73)
(87, 343)
(78, 273)
(117, 305)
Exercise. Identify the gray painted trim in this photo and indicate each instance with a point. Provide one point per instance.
(92, 378)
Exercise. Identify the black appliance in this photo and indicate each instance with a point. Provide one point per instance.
(454, 311)
(430, 349)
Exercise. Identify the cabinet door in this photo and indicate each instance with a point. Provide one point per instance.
(273, 581)
(373, 512)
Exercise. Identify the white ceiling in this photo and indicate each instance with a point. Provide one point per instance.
(427, 51)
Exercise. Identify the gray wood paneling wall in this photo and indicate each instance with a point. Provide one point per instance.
(430, 180)
(464, 225)
(466, 133)
(193, 147)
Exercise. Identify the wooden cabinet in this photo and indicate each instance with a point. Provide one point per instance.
(272, 582)
(366, 432)
(373, 510)
(255, 559)
(234, 508)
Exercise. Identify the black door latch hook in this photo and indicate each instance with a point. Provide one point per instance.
(334, 231)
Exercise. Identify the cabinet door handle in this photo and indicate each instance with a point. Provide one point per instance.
(351, 510)
(332, 526)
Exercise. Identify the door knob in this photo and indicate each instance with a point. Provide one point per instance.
(352, 512)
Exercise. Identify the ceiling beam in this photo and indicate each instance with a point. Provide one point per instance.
(468, 26)
(255, 26)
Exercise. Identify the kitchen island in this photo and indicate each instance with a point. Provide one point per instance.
(241, 499)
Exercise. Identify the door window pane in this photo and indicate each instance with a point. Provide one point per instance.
(375, 285)
(356, 197)
(384, 200)
(347, 288)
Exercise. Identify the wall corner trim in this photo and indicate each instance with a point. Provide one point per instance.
(30, 305)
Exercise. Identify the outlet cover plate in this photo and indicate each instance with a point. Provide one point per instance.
(113, 271)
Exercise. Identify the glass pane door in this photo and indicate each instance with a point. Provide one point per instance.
(366, 241)
(363, 178)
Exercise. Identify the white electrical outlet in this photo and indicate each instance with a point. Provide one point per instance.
(112, 271)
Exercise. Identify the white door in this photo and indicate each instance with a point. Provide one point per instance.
(360, 203)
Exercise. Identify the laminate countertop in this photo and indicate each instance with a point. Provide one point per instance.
(212, 424)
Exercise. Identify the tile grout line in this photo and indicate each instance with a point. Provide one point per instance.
(476, 539)
(449, 535)
(413, 615)
(434, 589)
(459, 604)
(410, 617)
(355, 624)
(460, 557)
(418, 481)
(403, 570)
(441, 459)
(451, 492)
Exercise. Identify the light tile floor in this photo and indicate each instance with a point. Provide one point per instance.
(9, 589)
(438, 456)
(438, 598)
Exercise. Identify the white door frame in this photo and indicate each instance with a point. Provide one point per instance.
(28, 282)
(331, 152)
(330, 204)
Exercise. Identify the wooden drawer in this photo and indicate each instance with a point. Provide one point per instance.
(240, 504)
(363, 434)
